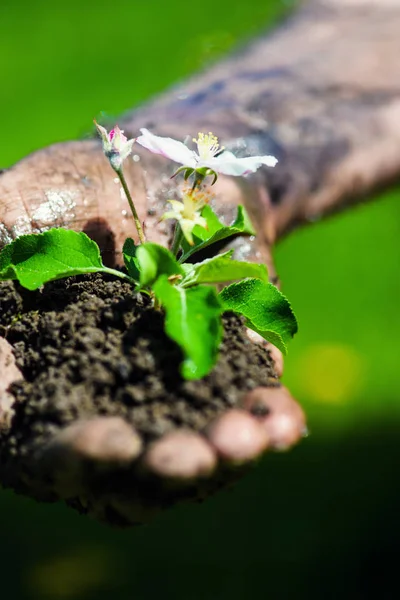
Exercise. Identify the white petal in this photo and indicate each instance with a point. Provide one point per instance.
(127, 149)
(200, 221)
(225, 156)
(227, 164)
(102, 131)
(170, 214)
(187, 227)
(104, 137)
(177, 205)
(168, 147)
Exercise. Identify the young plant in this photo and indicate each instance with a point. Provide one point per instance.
(182, 281)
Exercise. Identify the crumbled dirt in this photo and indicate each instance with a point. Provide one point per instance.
(86, 346)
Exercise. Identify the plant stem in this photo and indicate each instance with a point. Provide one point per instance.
(198, 180)
(157, 303)
(118, 274)
(178, 235)
(122, 179)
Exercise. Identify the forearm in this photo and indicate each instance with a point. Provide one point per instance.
(71, 185)
(320, 93)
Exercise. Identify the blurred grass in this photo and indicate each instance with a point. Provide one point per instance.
(61, 64)
(319, 522)
(342, 277)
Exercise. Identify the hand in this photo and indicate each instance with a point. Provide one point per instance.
(101, 465)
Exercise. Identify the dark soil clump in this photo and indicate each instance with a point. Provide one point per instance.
(86, 347)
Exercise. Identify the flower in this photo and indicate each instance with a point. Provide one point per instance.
(209, 155)
(116, 145)
(187, 213)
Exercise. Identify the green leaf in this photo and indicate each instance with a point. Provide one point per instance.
(201, 234)
(187, 172)
(222, 268)
(241, 226)
(243, 222)
(266, 309)
(131, 262)
(271, 336)
(213, 223)
(37, 258)
(193, 321)
(154, 260)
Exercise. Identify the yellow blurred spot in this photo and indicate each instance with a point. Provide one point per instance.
(331, 373)
(71, 575)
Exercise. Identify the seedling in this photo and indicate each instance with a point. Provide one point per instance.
(182, 280)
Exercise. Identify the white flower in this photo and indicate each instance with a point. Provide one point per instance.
(209, 155)
(187, 213)
(116, 145)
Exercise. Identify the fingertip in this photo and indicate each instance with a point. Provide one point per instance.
(104, 440)
(180, 455)
(280, 415)
(237, 436)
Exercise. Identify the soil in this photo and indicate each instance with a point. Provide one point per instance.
(87, 346)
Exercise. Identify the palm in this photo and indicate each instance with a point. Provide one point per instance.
(193, 460)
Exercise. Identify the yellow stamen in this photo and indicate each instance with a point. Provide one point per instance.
(207, 145)
(198, 197)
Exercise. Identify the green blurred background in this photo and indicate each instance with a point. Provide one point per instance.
(319, 522)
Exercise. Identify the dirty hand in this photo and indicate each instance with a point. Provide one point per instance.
(72, 186)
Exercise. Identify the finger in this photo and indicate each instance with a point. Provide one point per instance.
(237, 436)
(280, 415)
(9, 373)
(182, 455)
(275, 353)
(6, 410)
(277, 357)
(8, 369)
(101, 442)
(100, 439)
